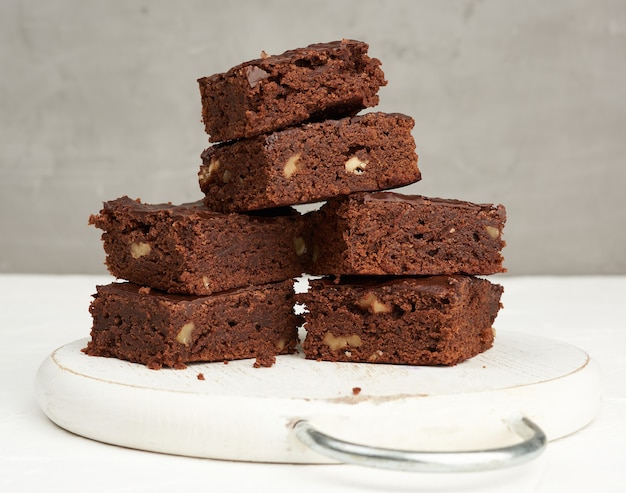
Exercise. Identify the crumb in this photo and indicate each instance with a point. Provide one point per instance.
(484, 366)
(144, 290)
(200, 376)
(356, 390)
(225, 362)
(265, 360)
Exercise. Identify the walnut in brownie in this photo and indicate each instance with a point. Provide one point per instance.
(324, 80)
(190, 250)
(310, 163)
(439, 320)
(390, 233)
(157, 329)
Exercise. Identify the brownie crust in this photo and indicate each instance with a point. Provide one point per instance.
(323, 80)
(188, 249)
(439, 320)
(389, 233)
(156, 329)
(310, 163)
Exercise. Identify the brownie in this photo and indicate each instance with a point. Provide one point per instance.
(157, 329)
(389, 233)
(324, 80)
(440, 320)
(188, 249)
(310, 163)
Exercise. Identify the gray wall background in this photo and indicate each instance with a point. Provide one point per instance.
(517, 102)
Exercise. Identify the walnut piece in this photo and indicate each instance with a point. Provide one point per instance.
(184, 334)
(206, 281)
(340, 342)
(291, 166)
(374, 356)
(493, 232)
(207, 174)
(369, 302)
(281, 344)
(139, 249)
(355, 165)
(300, 245)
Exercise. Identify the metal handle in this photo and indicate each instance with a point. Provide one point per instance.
(533, 444)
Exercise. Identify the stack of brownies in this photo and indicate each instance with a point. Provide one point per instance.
(213, 280)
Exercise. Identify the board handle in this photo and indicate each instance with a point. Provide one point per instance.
(533, 444)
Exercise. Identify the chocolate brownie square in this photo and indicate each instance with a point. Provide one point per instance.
(390, 233)
(324, 80)
(439, 320)
(157, 329)
(310, 163)
(189, 249)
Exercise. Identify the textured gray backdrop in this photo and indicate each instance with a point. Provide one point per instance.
(518, 102)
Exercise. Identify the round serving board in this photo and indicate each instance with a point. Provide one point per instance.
(237, 412)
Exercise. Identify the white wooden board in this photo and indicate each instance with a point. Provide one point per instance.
(243, 413)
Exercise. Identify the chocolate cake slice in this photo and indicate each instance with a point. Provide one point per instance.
(189, 249)
(440, 320)
(143, 325)
(323, 80)
(310, 163)
(386, 233)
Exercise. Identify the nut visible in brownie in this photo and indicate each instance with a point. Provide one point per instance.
(389, 233)
(158, 329)
(189, 249)
(310, 163)
(323, 80)
(440, 320)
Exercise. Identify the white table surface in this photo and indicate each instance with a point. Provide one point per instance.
(40, 313)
